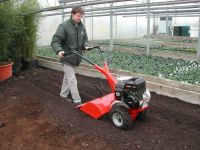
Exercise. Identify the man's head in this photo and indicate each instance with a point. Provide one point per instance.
(77, 13)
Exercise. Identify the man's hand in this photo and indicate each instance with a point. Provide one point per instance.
(60, 54)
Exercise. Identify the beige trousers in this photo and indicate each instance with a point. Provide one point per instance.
(70, 83)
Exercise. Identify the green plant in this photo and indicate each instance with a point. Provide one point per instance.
(30, 24)
(6, 24)
(18, 33)
(156, 44)
(15, 45)
(168, 68)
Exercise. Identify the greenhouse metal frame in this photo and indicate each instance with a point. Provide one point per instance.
(149, 9)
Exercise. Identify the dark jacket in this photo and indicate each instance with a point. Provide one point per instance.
(70, 37)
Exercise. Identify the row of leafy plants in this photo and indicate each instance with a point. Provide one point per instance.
(177, 39)
(141, 44)
(167, 68)
(18, 33)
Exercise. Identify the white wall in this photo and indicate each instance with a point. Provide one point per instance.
(47, 28)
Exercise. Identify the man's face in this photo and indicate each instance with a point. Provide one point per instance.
(77, 17)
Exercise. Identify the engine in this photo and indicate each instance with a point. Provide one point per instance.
(132, 91)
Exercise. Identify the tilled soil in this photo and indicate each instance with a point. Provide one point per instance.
(36, 118)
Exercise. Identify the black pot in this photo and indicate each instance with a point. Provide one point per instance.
(17, 66)
(28, 64)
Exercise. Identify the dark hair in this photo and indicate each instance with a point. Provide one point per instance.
(77, 9)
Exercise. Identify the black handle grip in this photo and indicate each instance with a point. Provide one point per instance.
(91, 48)
(98, 47)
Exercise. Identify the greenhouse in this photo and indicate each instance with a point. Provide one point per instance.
(99, 74)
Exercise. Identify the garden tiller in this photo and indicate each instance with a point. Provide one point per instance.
(128, 100)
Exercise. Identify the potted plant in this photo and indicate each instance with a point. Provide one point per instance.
(30, 33)
(5, 36)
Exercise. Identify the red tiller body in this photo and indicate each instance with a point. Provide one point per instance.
(100, 106)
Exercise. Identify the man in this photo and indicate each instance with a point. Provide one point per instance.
(70, 36)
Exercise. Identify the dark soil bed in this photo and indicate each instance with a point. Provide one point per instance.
(36, 118)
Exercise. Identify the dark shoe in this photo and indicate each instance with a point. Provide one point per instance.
(2, 124)
(78, 104)
(66, 98)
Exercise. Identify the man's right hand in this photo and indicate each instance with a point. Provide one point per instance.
(60, 54)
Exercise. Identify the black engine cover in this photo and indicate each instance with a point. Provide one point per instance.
(130, 91)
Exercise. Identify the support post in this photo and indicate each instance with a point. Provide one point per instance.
(136, 24)
(167, 25)
(92, 28)
(63, 12)
(175, 18)
(111, 28)
(154, 25)
(148, 31)
(115, 27)
(84, 15)
(198, 47)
